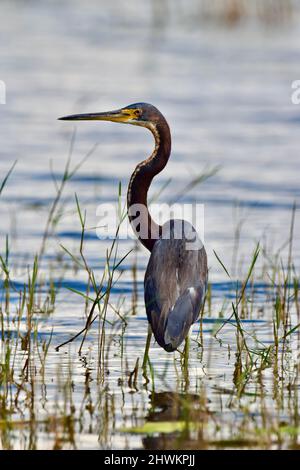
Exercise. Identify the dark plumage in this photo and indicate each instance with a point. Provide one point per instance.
(176, 276)
(175, 284)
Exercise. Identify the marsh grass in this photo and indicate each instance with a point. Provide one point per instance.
(96, 382)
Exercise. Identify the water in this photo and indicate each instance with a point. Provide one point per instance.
(226, 93)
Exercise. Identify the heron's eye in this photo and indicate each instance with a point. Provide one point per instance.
(138, 113)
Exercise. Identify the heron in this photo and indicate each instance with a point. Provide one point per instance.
(176, 276)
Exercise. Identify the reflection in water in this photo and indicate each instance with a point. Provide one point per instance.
(187, 410)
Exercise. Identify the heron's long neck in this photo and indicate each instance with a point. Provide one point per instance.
(144, 226)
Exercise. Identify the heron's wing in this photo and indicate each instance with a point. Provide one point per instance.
(175, 283)
(192, 279)
(181, 317)
(153, 302)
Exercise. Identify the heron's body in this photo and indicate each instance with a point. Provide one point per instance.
(176, 275)
(175, 284)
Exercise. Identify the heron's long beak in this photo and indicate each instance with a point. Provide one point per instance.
(120, 115)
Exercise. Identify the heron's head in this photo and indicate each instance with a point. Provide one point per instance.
(138, 114)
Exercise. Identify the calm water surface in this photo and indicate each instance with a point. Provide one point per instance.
(227, 96)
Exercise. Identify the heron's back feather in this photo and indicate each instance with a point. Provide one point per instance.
(175, 284)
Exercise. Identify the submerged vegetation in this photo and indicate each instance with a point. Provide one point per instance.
(235, 385)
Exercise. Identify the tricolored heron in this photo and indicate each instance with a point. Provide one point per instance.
(176, 276)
